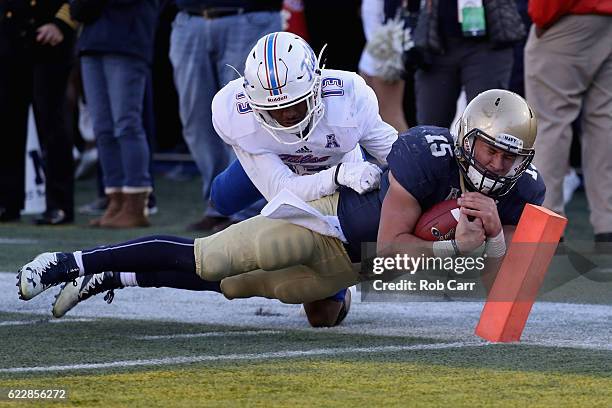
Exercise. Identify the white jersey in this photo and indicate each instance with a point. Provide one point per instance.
(351, 119)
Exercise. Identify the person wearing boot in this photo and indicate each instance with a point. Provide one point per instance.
(116, 51)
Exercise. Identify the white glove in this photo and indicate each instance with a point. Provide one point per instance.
(359, 176)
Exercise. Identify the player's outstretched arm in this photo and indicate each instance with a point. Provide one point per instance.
(270, 175)
(399, 215)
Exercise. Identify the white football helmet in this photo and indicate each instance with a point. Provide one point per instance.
(505, 121)
(281, 71)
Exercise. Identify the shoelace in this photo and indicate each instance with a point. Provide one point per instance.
(47, 263)
(110, 295)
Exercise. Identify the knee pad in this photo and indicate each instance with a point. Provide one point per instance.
(284, 246)
(227, 253)
(213, 266)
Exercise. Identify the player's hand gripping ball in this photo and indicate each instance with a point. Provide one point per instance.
(439, 222)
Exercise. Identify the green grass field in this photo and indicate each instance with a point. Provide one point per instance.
(125, 357)
(480, 375)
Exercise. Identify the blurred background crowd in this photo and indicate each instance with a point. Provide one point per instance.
(119, 86)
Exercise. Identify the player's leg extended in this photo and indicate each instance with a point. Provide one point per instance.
(148, 254)
(259, 243)
(327, 270)
(90, 285)
(256, 243)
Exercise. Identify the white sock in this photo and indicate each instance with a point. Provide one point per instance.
(78, 257)
(128, 278)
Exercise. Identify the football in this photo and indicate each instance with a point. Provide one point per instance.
(439, 222)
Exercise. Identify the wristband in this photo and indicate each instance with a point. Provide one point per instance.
(496, 246)
(336, 174)
(445, 249)
(455, 247)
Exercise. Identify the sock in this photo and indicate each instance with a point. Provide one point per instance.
(128, 278)
(78, 257)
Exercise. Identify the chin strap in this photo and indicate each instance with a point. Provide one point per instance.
(462, 183)
(319, 66)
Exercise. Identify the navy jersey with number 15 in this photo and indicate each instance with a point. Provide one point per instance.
(422, 161)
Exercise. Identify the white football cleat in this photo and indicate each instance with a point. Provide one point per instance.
(46, 270)
(86, 286)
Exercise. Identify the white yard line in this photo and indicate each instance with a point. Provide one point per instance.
(207, 334)
(238, 357)
(18, 241)
(54, 321)
(568, 344)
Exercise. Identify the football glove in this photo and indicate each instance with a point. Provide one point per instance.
(361, 176)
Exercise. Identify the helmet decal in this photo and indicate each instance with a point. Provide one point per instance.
(310, 61)
(271, 67)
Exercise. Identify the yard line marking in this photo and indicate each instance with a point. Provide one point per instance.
(18, 241)
(238, 357)
(207, 334)
(54, 321)
(568, 343)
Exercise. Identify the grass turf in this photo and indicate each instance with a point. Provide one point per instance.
(108, 340)
(321, 382)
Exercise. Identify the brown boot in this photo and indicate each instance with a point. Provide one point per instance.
(115, 202)
(132, 212)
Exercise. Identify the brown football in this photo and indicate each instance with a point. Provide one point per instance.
(439, 222)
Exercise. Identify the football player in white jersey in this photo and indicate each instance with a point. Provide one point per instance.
(293, 126)
(298, 127)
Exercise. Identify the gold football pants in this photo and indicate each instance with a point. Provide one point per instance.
(276, 259)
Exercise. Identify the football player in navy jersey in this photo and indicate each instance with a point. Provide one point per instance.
(488, 167)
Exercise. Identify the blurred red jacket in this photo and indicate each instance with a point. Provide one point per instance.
(545, 13)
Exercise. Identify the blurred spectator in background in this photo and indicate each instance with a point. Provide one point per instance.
(207, 36)
(88, 162)
(572, 180)
(36, 53)
(465, 44)
(568, 67)
(381, 63)
(293, 18)
(116, 48)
